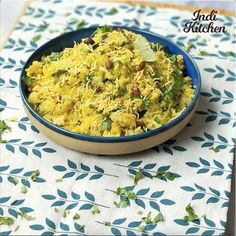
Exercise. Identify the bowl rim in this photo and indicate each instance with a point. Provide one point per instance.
(113, 139)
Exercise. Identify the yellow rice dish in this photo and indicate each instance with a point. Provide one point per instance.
(115, 83)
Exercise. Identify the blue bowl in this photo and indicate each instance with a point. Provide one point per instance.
(67, 40)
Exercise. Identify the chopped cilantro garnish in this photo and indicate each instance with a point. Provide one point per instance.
(107, 223)
(76, 216)
(190, 45)
(35, 174)
(28, 80)
(15, 180)
(191, 217)
(81, 24)
(177, 87)
(64, 214)
(60, 72)
(173, 58)
(149, 220)
(25, 216)
(36, 38)
(3, 127)
(121, 91)
(58, 180)
(105, 29)
(95, 209)
(24, 189)
(141, 228)
(164, 174)
(113, 10)
(203, 53)
(228, 53)
(88, 79)
(54, 56)
(215, 149)
(125, 195)
(4, 220)
(158, 218)
(138, 176)
(106, 125)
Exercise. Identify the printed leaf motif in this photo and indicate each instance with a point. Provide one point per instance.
(86, 206)
(192, 230)
(64, 227)
(89, 196)
(49, 197)
(59, 168)
(115, 231)
(142, 191)
(50, 224)
(119, 221)
(140, 203)
(167, 202)
(71, 164)
(135, 163)
(212, 200)
(84, 167)
(154, 205)
(157, 194)
(36, 227)
(198, 196)
(181, 222)
(58, 203)
(61, 193)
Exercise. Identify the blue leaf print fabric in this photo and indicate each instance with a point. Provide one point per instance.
(50, 190)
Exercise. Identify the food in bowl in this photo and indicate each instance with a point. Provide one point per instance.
(114, 83)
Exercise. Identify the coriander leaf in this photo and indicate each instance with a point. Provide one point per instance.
(177, 87)
(113, 11)
(106, 125)
(36, 38)
(173, 58)
(4, 220)
(121, 92)
(138, 176)
(88, 79)
(107, 223)
(3, 127)
(190, 45)
(24, 189)
(28, 80)
(60, 72)
(147, 219)
(95, 209)
(203, 53)
(35, 174)
(158, 218)
(191, 215)
(105, 29)
(54, 56)
(164, 174)
(25, 216)
(125, 196)
(81, 24)
(76, 216)
(169, 175)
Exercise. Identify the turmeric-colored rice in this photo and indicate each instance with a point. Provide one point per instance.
(114, 83)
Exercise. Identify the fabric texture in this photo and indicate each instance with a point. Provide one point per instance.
(193, 167)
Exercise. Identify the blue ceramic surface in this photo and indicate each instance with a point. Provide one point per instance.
(68, 39)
